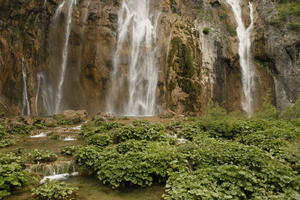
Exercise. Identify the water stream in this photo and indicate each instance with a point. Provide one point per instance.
(248, 70)
(65, 52)
(50, 90)
(26, 105)
(135, 64)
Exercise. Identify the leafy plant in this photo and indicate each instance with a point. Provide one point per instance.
(40, 156)
(6, 143)
(2, 131)
(12, 173)
(69, 150)
(55, 190)
(99, 140)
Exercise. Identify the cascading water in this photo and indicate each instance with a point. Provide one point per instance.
(135, 69)
(26, 105)
(59, 94)
(248, 70)
(50, 91)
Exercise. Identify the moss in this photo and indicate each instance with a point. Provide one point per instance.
(288, 16)
(191, 88)
(184, 58)
(231, 30)
(206, 30)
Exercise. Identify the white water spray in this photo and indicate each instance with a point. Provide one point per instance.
(133, 90)
(248, 70)
(65, 52)
(26, 105)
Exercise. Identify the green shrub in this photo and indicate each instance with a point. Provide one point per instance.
(6, 143)
(69, 150)
(98, 127)
(150, 132)
(223, 182)
(62, 120)
(224, 157)
(2, 131)
(20, 129)
(40, 156)
(99, 140)
(271, 139)
(55, 190)
(12, 174)
(139, 163)
(292, 112)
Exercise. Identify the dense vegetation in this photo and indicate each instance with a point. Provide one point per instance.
(12, 174)
(55, 190)
(217, 156)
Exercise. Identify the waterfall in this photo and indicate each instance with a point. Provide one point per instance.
(248, 70)
(61, 80)
(50, 83)
(26, 105)
(135, 63)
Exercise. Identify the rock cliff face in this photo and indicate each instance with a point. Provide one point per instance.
(198, 54)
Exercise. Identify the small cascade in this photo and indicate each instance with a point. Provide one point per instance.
(26, 104)
(40, 135)
(248, 70)
(135, 64)
(69, 138)
(54, 171)
(65, 52)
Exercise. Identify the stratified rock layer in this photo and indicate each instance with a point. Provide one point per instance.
(198, 60)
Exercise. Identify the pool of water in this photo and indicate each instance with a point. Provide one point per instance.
(91, 189)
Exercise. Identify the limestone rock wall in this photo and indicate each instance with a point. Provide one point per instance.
(198, 61)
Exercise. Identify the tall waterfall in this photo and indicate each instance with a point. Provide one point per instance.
(26, 105)
(50, 91)
(135, 64)
(61, 80)
(248, 70)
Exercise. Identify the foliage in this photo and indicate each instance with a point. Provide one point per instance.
(6, 143)
(136, 162)
(12, 174)
(20, 129)
(206, 30)
(2, 131)
(55, 190)
(62, 120)
(98, 127)
(151, 132)
(288, 14)
(99, 140)
(224, 157)
(69, 150)
(267, 111)
(40, 156)
(271, 139)
(221, 182)
(292, 112)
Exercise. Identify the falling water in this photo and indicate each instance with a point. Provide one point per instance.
(248, 71)
(26, 105)
(64, 56)
(133, 89)
(50, 83)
